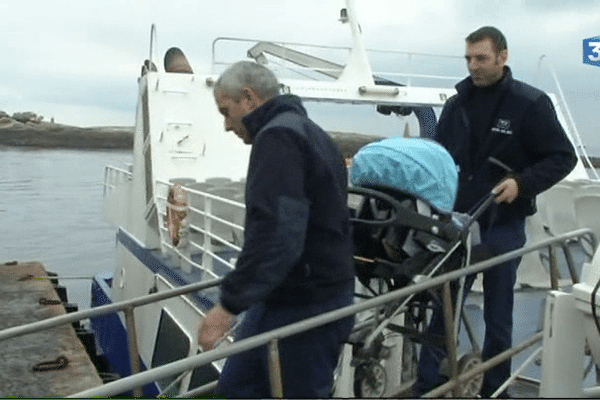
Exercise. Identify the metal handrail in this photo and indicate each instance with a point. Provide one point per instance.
(109, 177)
(180, 366)
(206, 248)
(107, 309)
(492, 362)
(537, 353)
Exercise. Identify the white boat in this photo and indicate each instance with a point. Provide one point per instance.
(179, 138)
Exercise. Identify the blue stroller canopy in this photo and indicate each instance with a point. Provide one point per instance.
(417, 166)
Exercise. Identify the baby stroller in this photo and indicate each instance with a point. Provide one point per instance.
(404, 231)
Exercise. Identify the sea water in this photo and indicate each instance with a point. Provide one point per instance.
(50, 212)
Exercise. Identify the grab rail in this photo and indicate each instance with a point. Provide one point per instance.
(103, 310)
(180, 366)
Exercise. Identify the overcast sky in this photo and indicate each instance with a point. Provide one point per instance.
(79, 60)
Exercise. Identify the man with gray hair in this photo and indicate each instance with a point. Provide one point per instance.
(297, 256)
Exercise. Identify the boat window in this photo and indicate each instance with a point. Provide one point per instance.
(172, 344)
(203, 375)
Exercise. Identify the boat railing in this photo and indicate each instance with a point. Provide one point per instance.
(271, 338)
(570, 121)
(209, 219)
(304, 64)
(113, 177)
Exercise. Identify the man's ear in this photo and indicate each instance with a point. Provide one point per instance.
(503, 56)
(250, 99)
(247, 94)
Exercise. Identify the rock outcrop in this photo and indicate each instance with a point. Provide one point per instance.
(36, 133)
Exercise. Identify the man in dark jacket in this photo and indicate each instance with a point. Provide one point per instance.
(297, 256)
(492, 118)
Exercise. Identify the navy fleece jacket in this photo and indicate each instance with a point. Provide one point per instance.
(297, 243)
(521, 130)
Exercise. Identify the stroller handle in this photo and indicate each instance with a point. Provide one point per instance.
(488, 200)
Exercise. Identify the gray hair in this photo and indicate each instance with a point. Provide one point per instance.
(247, 74)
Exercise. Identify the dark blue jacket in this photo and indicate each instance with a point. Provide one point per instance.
(523, 133)
(297, 243)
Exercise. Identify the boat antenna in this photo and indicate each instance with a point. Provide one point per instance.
(153, 45)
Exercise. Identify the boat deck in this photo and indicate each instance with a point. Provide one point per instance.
(22, 286)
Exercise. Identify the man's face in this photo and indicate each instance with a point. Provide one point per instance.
(484, 64)
(233, 112)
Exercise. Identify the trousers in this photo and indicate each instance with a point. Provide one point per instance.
(498, 300)
(307, 359)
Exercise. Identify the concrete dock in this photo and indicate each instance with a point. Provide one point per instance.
(49, 363)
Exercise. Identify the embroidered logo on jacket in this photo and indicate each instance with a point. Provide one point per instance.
(502, 126)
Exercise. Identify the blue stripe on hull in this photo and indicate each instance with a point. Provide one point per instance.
(160, 264)
(111, 336)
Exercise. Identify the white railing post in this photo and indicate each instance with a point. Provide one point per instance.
(207, 259)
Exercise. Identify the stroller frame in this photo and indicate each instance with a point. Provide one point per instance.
(443, 244)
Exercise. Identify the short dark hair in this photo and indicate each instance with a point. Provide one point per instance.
(489, 32)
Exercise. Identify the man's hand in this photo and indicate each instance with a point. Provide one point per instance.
(506, 191)
(213, 327)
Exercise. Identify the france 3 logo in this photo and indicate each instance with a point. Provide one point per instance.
(591, 51)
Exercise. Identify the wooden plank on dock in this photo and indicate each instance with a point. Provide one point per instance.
(22, 285)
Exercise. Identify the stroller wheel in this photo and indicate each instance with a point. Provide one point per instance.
(472, 387)
(370, 380)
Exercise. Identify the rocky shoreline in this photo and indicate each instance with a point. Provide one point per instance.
(52, 135)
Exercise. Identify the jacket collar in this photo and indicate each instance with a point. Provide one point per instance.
(258, 118)
(466, 86)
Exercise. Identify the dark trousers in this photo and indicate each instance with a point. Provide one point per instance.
(307, 360)
(498, 299)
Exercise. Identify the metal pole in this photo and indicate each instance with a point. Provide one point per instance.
(207, 261)
(469, 330)
(515, 374)
(553, 268)
(201, 391)
(132, 347)
(275, 370)
(450, 339)
(103, 310)
(481, 368)
(570, 262)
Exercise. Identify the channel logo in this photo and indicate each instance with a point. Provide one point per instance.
(591, 51)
